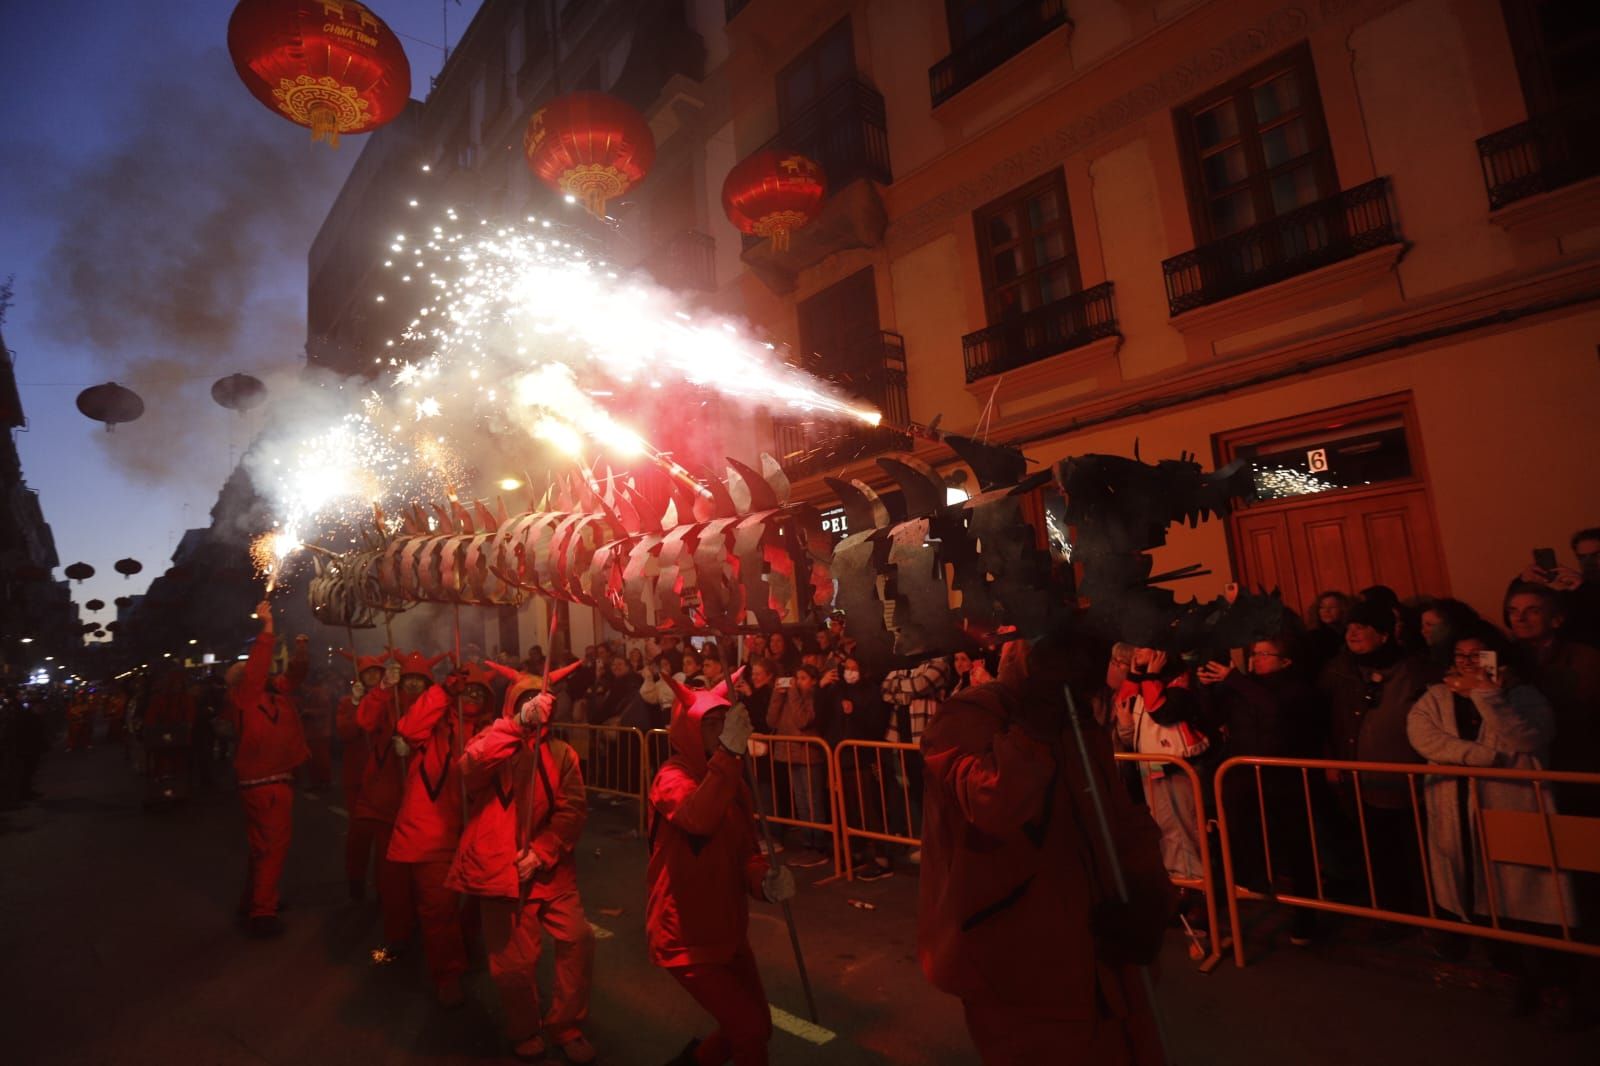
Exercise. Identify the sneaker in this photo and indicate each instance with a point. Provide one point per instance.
(915, 858)
(265, 927)
(873, 871)
(530, 1050)
(579, 1050)
(809, 860)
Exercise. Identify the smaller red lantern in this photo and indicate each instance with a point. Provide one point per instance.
(590, 146)
(773, 193)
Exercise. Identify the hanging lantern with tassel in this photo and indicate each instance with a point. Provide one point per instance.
(331, 65)
(773, 193)
(590, 146)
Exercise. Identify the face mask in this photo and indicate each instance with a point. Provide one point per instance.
(852, 676)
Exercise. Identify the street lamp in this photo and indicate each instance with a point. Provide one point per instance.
(27, 640)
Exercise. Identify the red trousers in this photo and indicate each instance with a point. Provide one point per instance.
(512, 941)
(268, 811)
(731, 993)
(321, 764)
(80, 735)
(1008, 1034)
(369, 835)
(438, 915)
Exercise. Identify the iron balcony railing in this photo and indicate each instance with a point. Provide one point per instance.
(1011, 33)
(845, 132)
(807, 446)
(1056, 327)
(1355, 221)
(1544, 153)
(686, 260)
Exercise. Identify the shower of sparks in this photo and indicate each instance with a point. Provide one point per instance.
(268, 552)
(516, 327)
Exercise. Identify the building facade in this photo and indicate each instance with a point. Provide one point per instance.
(1354, 243)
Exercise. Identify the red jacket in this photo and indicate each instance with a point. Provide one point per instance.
(428, 826)
(381, 783)
(271, 741)
(1013, 859)
(704, 862)
(501, 784)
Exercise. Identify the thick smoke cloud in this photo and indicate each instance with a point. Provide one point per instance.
(180, 256)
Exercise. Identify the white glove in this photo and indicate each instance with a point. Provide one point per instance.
(736, 730)
(536, 712)
(357, 690)
(778, 885)
(401, 748)
(391, 675)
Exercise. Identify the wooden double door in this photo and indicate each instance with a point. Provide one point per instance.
(1343, 542)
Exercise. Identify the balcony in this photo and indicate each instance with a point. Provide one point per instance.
(977, 56)
(1305, 239)
(686, 260)
(1056, 327)
(805, 447)
(1545, 153)
(846, 133)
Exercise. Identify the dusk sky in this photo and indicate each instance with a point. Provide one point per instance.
(157, 220)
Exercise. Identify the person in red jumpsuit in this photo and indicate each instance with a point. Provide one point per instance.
(165, 730)
(1019, 915)
(270, 744)
(705, 866)
(405, 678)
(428, 826)
(360, 833)
(517, 855)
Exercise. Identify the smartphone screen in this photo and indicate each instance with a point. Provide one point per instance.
(1489, 663)
(1544, 558)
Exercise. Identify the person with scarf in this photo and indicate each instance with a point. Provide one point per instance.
(526, 808)
(271, 744)
(704, 868)
(1018, 913)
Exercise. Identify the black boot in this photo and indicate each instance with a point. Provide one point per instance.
(686, 1056)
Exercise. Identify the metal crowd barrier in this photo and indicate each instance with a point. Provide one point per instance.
(1207, 882)
(1542, 838)
(613, 760)
(774, 793)
(873, 784)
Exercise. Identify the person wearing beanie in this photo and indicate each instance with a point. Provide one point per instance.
(271, 743)
(1369, 689)
(526, 808)
(363, 832)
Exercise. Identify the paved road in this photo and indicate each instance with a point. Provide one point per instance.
(117, 947)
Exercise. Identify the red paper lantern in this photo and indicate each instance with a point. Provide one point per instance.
(590, 146)
(331, 65)
(774, 193)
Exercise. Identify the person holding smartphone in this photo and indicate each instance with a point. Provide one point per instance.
(1484, 714)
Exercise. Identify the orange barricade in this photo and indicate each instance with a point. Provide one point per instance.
(1503, 840)
(873, 799)
(778, 760)
(612, 758)
(1207, 883)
